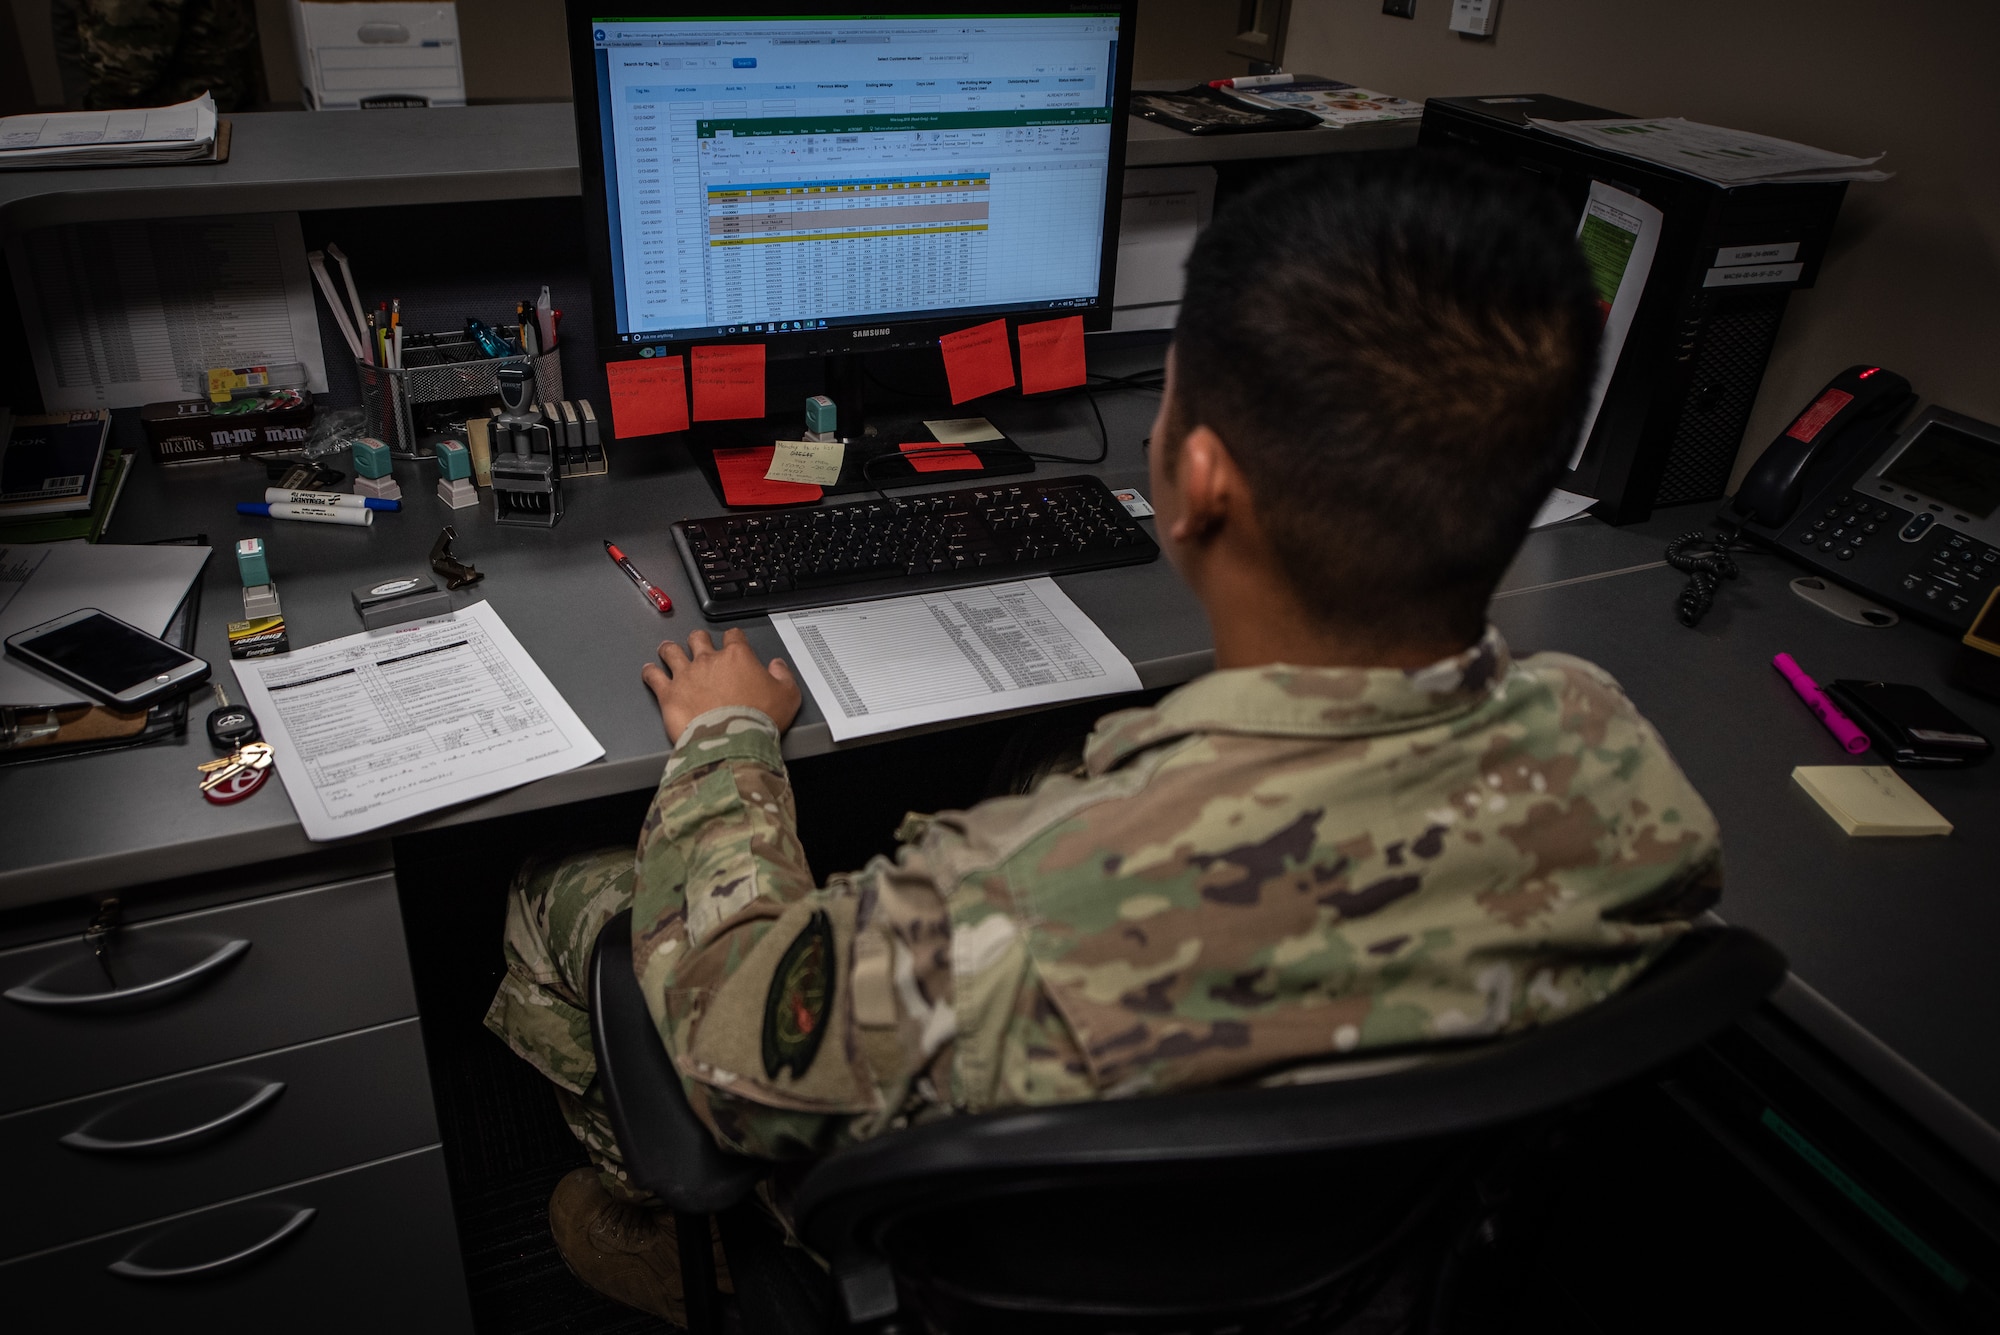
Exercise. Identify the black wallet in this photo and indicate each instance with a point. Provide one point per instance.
(1908, 725)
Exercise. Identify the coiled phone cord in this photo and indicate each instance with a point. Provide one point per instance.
(1706, 562)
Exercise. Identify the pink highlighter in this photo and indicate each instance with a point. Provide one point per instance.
(1837, 723)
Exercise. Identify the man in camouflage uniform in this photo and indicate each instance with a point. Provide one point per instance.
(149, 53)
(1370, 828)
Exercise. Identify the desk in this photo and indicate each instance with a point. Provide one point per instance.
(1894, 935)
(1889, 939)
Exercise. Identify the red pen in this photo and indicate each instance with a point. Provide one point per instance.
(653, 593)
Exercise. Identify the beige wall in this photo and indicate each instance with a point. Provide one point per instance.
(516, 49)
(1186, 39)
(1913, 280)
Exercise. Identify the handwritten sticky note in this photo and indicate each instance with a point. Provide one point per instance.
(743, 482)
(965, 430)
(648, 397)
(812, 461)
(950, 458)
(976, 360)
(728, 381)
(1051, 354)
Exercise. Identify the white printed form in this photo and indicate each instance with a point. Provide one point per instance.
(388, 724)
(905, 662)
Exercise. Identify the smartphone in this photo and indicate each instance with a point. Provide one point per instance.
(107, 659)
(1909, 724)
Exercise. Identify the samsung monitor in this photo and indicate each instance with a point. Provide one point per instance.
(827, 181)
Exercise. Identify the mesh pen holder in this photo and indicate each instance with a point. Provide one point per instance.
(443, 369)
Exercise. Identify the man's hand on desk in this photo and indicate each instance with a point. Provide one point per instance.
(704, 677)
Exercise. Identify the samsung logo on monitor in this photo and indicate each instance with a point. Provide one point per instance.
(867, 333)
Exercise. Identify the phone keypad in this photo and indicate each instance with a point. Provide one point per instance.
(1846, 529)
(1956, 575)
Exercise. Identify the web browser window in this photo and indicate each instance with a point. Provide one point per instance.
(772, 174)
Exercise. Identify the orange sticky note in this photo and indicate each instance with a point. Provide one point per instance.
(1051, 354)
(976, 360)
(743, 482)
(728, 381)
(648, 397)
(927, 456)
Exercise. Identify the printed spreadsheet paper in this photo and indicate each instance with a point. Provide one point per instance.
(378, 727)
(126, 313)
(932, 657)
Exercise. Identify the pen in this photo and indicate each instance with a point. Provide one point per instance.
(1252, 81)
(317, 514)
(1835, 722)
(646, 586)
(338, 499)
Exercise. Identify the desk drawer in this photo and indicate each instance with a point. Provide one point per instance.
(370, 1249)
(176, 1144)
(200, 988)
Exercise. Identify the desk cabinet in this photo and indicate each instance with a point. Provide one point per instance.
(231, 1123)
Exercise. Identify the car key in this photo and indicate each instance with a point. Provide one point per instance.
(231, 726)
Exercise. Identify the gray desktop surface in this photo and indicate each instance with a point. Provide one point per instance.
(97, 822)
(1896, 936)
(285, 161)
(1893, 937)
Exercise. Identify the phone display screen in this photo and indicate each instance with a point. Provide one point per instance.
(1952, 466)
(105, 652)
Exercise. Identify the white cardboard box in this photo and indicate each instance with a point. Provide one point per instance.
(371, 54)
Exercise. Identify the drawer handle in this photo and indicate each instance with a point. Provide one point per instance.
(185, 1139)
(131, 1269)
(157, 992)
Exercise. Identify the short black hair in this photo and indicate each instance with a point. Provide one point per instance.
(1397, 353)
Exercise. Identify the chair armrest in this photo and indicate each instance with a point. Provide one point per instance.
(668, 1150)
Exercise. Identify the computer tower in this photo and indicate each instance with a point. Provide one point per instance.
(1680, 397)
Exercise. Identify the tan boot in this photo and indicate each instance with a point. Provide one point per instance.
(628, 1253)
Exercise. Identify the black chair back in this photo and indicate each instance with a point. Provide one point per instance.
(1293, 1207)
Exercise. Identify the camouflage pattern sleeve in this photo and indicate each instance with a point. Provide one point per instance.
(799, 1016)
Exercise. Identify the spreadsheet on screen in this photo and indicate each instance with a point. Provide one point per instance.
(799, 173)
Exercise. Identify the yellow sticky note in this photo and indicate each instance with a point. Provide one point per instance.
(1870, 800)
(964, 430)
(811, 461)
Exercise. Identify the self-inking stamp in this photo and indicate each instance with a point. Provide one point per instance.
(527, 488)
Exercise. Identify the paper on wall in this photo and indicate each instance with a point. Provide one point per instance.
(1618, 234)
(122, 314)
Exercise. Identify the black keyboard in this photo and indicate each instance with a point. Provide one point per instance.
(750, 563)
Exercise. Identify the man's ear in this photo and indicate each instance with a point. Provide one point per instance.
(1210, 485)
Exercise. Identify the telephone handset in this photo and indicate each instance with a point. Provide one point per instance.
(1909, 517)
(1843, 418)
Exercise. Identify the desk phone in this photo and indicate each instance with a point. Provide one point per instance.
(1913, 523)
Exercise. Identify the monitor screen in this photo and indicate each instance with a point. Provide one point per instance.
(788, 175)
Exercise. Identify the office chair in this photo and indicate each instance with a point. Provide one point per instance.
(1371, 1198)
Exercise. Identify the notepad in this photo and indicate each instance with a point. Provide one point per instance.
(1870, 800)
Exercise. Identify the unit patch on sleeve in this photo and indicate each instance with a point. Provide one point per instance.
(797, 1008)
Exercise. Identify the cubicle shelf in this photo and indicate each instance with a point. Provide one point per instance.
(288, 161)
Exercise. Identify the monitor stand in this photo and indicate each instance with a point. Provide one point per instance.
(875, 459)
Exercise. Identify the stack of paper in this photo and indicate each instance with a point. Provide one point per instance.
(1727, 157)
(43, 139)
(1870, 800)
(1333, 101)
